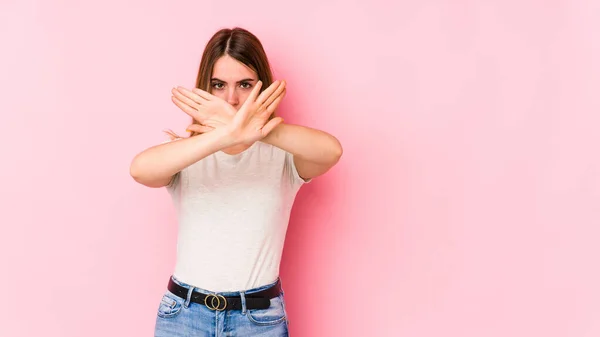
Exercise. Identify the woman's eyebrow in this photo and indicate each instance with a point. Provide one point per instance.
(244, 80)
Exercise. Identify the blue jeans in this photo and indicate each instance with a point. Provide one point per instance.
(178, 317)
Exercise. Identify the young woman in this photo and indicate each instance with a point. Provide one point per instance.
(233, 182)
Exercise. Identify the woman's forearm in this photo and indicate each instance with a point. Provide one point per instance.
(155, 166)
(309, 144)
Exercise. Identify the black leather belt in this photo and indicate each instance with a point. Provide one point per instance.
(257, 300)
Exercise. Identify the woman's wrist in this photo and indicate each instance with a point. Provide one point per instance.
(272, 136)
(223, 137)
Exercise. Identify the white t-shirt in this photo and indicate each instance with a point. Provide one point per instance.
(233, 213)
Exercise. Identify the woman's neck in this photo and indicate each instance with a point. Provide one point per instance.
(236, 149)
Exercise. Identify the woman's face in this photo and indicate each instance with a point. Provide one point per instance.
(232, 81)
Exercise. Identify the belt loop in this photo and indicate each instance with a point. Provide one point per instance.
(243, 297)
(186, 304)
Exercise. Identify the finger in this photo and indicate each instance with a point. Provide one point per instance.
(271, 125)
(187, 109)
(172, 135)
(276, 94)
(203, 94)
(184, 96)
(199, 128)
(268, 92)
(254, 93)
(197, 99)
(200, 99)
(244, 110)
(271, 108)
(208, 97)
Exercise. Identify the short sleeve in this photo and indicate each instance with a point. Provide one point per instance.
(293, 171)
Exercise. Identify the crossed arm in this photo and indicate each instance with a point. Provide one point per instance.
(314, 151)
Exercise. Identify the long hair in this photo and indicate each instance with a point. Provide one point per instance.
(239, 44)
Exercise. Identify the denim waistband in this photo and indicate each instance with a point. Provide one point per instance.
(225, 293)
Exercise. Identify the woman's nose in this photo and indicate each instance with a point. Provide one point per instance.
(232, 97)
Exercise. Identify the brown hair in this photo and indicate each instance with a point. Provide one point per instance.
(241, 45)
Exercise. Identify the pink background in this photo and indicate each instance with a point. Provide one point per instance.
(466, 202)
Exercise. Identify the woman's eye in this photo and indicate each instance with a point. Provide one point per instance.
(245, 85)
(217, 85)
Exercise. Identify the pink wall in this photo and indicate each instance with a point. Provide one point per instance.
(466, 203)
